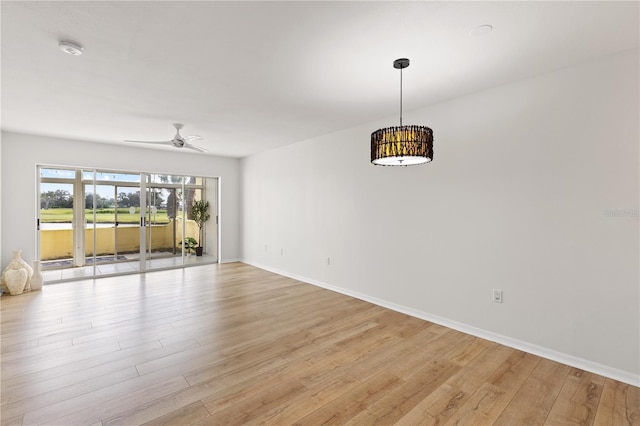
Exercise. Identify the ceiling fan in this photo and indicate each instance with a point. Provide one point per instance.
(178, 140)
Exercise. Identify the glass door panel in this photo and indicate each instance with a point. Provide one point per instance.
(191, 231)
(116, 228)
(159, 235)
(164, 238)
(56, 225)
(85, 257)
(101, 226)
(198, 232)
(127, 217)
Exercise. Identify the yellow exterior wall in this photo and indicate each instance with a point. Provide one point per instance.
(58, 243)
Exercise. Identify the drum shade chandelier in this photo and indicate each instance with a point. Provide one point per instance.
(401, 145)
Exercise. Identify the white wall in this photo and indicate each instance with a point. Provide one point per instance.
(21, 153)
(1, 199)
(533, 190)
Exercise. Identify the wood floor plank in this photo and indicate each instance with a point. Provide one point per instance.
(172, 402)
(32, 398)
(12, 421)
(187, 415)
(304, 403)
(52, 359)
(514, 371)
(184, 357)
(353, 402)
(488, 402)
(533, 401)
(423, 349)
(206, 370)
(394, 405)
(578, 400)
(234, 344)
(94, 406)
(95, 366)
(31, 348)
(253, 405)
(448, 398)
(482, 408)
(619, 405)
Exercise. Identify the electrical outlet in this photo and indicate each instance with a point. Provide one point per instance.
(497, 295)
(328, 261)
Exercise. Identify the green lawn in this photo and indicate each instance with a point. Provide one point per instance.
(102, 216)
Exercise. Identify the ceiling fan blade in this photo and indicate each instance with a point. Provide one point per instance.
(194, 147)
(152, 142)
(178, 141)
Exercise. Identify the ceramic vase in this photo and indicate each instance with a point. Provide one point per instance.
(15, 280)
(12, 279)
(37, 278)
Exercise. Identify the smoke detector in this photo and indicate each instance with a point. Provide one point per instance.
(481, 30)
(70, 47)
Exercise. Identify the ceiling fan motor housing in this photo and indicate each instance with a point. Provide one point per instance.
(178, 140)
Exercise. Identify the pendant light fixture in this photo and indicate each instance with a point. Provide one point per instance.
(402, 145)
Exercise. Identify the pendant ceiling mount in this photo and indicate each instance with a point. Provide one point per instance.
(401, 63)
(402, 145)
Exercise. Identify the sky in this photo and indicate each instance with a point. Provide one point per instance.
(105, 191)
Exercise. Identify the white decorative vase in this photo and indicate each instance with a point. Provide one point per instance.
(16, 264)
(15, 280)
(37, 279)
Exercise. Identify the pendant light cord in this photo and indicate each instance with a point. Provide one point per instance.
(400, 97)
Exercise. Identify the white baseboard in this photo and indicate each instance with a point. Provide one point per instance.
(573, 361)
(234, 260)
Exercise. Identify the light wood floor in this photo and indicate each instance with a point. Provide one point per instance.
(233, 344)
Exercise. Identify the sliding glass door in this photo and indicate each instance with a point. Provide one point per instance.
(127, 221)
(55, 217)
(97, 222)
(163, 206)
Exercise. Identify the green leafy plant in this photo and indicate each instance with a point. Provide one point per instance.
(190, 244)
(200, 214)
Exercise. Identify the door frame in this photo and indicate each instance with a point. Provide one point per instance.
(209, 187)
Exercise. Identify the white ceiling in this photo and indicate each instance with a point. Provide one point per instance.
(251, 76)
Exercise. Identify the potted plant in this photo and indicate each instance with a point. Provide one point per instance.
(200, 214)
(190, 245)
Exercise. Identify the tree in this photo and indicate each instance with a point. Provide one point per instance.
(200, 214)
(191, 194)
(172, 204)
(134, 199)
(131, 199)
(45, 199)
(123, 200)
(57, 199)
(155, 198)
(101, 202)
(174, 195)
